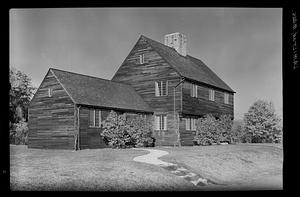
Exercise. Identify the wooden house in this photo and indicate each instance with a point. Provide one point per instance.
(162, 81)
(67, 110)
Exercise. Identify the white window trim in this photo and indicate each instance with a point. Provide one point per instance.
(226, 98)
(142, 59)
(190, 124)
(194, 90)
(50, 92)
(161, 122)
(211, 95)
(159, 90)
(94, 122)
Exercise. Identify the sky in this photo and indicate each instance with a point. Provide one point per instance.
(243, 46)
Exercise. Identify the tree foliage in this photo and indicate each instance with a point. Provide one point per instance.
(120, 132)
(20, 94)
(262, 124)
(210, 130)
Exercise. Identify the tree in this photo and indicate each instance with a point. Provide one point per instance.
(20, 94)
(262, 124)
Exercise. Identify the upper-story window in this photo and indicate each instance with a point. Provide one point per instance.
(190, 124)
(194, 92)
(142, 59)
(50, 92)
(94, 118)
(161, 122)
(226, 98)
(161, 88)
(211, 95)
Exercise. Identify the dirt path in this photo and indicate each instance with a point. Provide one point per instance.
(152, 158)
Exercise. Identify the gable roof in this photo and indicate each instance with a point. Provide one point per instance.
(188, 66)
(88, 90)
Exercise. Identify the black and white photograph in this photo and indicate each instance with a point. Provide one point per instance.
(145, 99)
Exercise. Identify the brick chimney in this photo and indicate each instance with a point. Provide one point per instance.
(176, 41)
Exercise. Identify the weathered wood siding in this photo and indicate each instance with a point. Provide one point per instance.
(142, 78)
(202, 105)
(51, 119)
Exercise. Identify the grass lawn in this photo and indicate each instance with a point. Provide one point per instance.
(97, 169)
(241, 166)
(235, 166)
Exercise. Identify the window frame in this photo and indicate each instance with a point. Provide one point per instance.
(159, 88)
(95, 111)
(142, 58)
(226, 98)
(211, 95)
(50, 92)
(190, 124)
(194, 91)
(161, 125)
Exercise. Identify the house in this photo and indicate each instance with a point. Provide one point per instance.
(69, 106)
(161, 81)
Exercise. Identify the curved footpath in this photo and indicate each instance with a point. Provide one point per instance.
(152, 158)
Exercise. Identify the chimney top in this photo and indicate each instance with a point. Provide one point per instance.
(177, 41)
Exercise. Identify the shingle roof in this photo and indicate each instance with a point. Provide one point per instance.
(88, 90)
(188, 66)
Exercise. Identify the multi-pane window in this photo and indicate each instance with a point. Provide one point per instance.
(94, 118)
(142, 59)
(190, 124)
(226, 98)
(194, 92)
(50, 91)
(211, 95)
(161, 88)
(161, 122)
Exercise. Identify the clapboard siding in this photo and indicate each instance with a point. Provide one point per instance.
(202, 105)
(51, 119)
(142, 78)
(90, 137)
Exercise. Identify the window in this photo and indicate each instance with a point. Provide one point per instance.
(94, 118)
(161, 122)
(50, 91)
(142, 59)
(194, 92)
(161, 88)
(190, 124)
(97, 118)
(226, 98)
(211, 95)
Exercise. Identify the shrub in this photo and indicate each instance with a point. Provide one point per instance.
(140, 131)
(262, 124)
(209, 130)
(19, 133)
(120, 132)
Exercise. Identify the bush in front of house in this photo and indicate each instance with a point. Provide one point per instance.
(210, 130)
(120, 132)
(140, 132)
(19, 133)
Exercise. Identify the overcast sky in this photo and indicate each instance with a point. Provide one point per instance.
(243, 46)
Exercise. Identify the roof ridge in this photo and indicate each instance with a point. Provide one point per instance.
(108, 80)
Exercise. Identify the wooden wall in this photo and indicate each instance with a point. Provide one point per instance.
(90, 137)
(51, 119)
(142, 78)
(202, 105)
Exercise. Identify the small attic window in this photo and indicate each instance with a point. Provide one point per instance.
(142, 59)
(50, 92)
